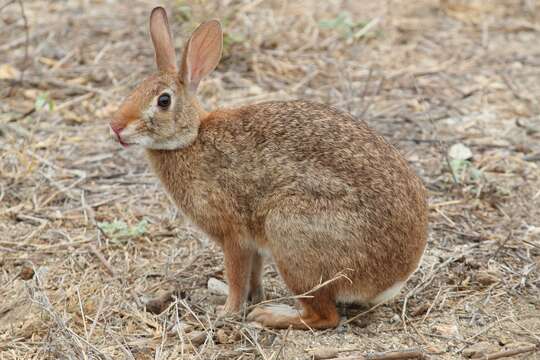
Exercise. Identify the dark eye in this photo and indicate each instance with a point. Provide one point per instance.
(164, 100)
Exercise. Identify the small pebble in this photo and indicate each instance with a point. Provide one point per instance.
(197, 337)
(395, 319)
(217, 287)
(487, 278)
(222, 336)
(159, 304)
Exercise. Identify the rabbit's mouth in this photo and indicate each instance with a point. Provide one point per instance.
(123, 143)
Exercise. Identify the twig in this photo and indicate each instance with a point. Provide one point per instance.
(513, 89)
(15, 43)
(486, 328)
(83, 316)
(102, 259)
(26, 38)
(98, 314)
(501, 246)
(82, 89)
(364, 93)
(6, 4)
(526, 330)
(282, 344)
(39, 297)
(26, 41)
(391, 355)
(367, 28)
(111, 270)
(363, 313)
(23, 115)
(425, 282)
(513, 352)
(75, 101)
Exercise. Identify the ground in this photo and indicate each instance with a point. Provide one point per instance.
(88, 236)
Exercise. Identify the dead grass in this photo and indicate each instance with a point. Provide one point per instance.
(428, 74)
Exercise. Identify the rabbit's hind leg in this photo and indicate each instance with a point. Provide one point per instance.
(318, 312)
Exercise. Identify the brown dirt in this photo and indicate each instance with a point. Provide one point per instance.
(427, 74)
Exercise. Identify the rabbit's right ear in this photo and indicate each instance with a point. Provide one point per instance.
(162, 40)
(202, 53)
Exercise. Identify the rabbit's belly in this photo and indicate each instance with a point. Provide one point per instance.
(389, 293)
(356, 297)
(344, 297)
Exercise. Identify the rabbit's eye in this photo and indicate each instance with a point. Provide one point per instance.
(164, 100)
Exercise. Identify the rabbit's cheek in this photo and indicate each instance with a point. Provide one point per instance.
(149, 117)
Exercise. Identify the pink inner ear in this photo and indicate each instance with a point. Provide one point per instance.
(202, 53)
(195, 64)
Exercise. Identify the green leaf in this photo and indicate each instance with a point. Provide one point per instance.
(232, 38)
(341, 22)
(184, 13)
(119, 229)
(344, 24)
(44, 102)
(139, 229)
(475, 173)
(458, 165)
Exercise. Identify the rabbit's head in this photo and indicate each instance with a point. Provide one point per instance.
(163, 111)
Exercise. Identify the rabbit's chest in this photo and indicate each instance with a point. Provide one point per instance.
(210, 208)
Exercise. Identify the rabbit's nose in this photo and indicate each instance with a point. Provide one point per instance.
(115, 133)
(116, 128)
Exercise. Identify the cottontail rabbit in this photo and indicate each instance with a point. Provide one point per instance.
(328, 198)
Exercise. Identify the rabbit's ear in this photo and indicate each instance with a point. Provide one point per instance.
(162, 39)
(202, 53)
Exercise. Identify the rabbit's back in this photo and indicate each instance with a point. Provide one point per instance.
(308, 150)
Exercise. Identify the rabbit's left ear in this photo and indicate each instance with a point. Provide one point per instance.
(202, 53)
(162, 40)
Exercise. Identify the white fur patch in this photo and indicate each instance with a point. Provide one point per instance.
(264, 252)
(282, 309)
(170, 144)
(350, 298)
(389, 293)
(358, 298)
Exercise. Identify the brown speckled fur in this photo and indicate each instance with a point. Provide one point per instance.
(309, 184)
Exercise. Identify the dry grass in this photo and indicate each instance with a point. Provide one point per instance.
(427, 74)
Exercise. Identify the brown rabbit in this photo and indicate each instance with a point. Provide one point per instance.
(328, 198)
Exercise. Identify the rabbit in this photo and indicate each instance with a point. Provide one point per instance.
(332, 203)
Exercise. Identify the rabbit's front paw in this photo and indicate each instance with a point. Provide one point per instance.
(230, 308)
